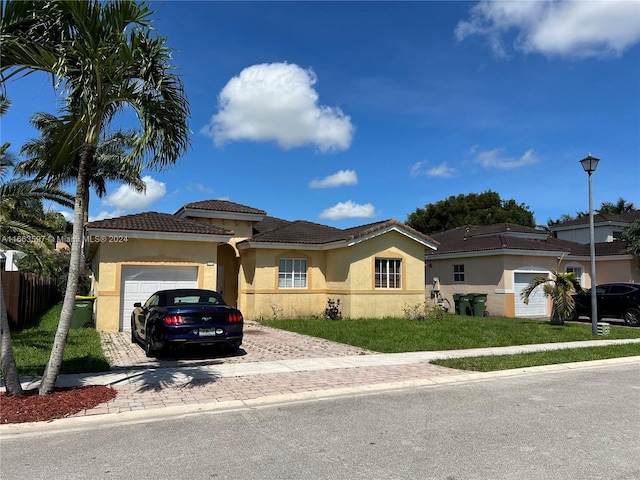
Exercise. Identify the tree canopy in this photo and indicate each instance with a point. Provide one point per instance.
(485, 208)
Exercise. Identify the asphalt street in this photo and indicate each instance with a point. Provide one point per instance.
(581, 423)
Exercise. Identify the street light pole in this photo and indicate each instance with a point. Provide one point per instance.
(589, 164)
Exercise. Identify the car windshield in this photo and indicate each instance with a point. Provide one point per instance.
(195, 300)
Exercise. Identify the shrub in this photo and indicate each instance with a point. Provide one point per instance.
(332, 312)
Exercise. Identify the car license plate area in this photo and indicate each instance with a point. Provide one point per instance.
(207, 332)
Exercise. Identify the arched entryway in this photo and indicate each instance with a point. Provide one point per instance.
(228, 270)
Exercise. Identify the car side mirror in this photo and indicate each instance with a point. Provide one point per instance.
(137, 305)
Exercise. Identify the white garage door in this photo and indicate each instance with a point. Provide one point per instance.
(139, 282)
(537, 306)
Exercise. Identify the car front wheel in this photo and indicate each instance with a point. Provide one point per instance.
(632, 317)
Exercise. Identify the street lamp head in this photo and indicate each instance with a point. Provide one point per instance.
(589, 164)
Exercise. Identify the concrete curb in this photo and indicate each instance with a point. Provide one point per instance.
(158, 414)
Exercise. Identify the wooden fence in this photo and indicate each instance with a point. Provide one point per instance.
(26, 295)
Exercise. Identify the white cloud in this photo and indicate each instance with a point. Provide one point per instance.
(564, 28)
(104, 214)
(343, 177)
(439, 171)
(496, 159)
(348, 209)
(68, 216)
(127, 198)
(277, 102)
(201, 188)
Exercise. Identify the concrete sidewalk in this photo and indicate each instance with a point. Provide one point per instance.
(147, 388)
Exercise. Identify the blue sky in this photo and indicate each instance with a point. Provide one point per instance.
(347, 113)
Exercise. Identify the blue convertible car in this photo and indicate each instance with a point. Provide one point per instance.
(186, 316)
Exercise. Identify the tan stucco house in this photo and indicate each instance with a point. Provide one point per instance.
(500, 260)
(263, 265)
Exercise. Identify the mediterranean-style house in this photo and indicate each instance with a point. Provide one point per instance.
(265, 266)
(606, 227)
(500, 260)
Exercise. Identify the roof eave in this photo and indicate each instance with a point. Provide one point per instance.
(382, 231)
(202, 213)
(105, 235)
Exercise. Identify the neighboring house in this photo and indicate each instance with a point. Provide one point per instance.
(606, 228)
(263, 265)
(500, 260)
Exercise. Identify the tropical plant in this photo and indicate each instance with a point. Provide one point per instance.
(104, 57)
(559, 288)
(109, 164)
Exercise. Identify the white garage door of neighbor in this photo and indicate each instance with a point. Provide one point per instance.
(537, 306)
(140, 282)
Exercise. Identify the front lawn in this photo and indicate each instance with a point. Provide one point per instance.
(32, 347)
(453, 332)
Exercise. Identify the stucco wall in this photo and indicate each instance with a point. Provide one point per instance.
(345, 273)
(112, 256)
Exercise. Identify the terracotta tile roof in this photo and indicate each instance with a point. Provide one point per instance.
(299, 231)
(303, 232)
(473, 238)
(364, 230)
(269, 223)
(158, 222)
(628, 217)
(222, 206)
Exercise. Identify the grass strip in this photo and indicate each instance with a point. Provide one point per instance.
(506, 362)
(32, 347)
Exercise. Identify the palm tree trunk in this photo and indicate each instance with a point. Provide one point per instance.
(556, 318)
(52, 370)
(8, 361)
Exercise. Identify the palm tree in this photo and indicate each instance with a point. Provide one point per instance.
(559, 288)
(109, 163)
(20, 205)
(103, 58)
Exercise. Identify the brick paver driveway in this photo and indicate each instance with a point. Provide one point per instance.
(260, 344)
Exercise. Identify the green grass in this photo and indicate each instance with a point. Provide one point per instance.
(454, 332)
(458, 332)
(505, 362)
(32, 347)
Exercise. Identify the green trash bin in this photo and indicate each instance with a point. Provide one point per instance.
(478, 304)
(456, 302)
(464, 305)
(82, 312)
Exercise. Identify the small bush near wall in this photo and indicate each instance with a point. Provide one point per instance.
(423, 311)
(332, 312)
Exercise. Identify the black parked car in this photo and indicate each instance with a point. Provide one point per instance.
(186, 316)
(614, 300)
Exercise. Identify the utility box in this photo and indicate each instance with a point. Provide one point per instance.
(603, 328)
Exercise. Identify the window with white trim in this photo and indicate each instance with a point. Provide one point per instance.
(388, 273)
(292, 273)
(577, 273)
(458, 273)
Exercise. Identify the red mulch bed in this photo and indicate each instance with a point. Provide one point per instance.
(63, 402)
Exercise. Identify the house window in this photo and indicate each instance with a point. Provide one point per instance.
(292, 273)
(577, 273)
(388, 273)
(458, 273)
(617, 235)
